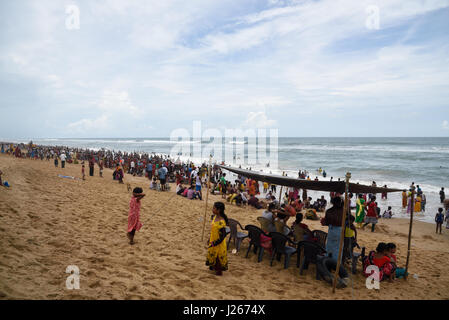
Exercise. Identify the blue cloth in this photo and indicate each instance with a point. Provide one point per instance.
(333, 241)
(149, 167)
(400, 272)
(161, 172)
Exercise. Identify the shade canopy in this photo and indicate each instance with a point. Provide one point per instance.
(330, 186)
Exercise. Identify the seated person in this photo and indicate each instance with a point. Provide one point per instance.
(190, 193)
(290, 210)
(184, 193)
(269, 195)
(322, 204)
(387, 213)
(391, 250)
(153, 184)
(298, 205)
(315, 205)
(253, 201)
(270, 215)
(280, 222)
(307, 203)
(380, 259)
(307, 233)
(179, 189)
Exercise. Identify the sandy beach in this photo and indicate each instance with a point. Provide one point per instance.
(48, 223)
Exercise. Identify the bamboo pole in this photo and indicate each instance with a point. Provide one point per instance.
(280, 192)
(342, 233)
(412, 207)
(207, 197)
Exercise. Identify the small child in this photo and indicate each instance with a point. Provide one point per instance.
(439, 219)
(350, 240)
(153, 184)
(134, 223)
(56, 161)
(391, 250)
(387, 213)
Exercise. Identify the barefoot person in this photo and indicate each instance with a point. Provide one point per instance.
(217, 258)
(134, 223)
(439, 219)
(360, 210)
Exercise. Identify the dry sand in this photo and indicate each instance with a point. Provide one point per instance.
(48, 223)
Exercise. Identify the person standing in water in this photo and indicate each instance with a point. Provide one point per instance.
(404, 199)
(442, 195)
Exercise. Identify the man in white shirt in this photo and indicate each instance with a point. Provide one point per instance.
(63, 158)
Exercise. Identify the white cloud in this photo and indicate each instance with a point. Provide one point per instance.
(258, 120)
(119, 102)
(445, 125)
(89, 126)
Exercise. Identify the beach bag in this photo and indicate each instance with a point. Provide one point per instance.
(400, 273)
(311, 215)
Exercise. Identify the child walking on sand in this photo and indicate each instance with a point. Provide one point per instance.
(134, 223)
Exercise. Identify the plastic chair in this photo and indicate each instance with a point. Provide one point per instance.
(254, 236)
(281, 227)
(279, 241)
(298, 234)
(265, 224)
(235, 234)
(308, 252)
(321, 236)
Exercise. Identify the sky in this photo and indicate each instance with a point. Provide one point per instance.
(308, 68)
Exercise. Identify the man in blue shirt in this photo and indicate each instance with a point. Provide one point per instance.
(162, 174)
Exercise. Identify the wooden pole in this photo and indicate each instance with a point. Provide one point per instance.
(280, 192)
(412, 207)
(342, 233)
(207, 197)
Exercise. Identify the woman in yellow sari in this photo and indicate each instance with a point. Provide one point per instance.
(418, 204)
(217, 252)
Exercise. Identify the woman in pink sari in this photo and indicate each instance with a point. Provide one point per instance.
(134, 223)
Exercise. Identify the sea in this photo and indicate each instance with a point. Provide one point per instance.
(395, 162)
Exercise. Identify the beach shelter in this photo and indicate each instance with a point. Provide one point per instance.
(331, 186)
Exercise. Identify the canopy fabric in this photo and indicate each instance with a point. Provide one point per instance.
(334, 186)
